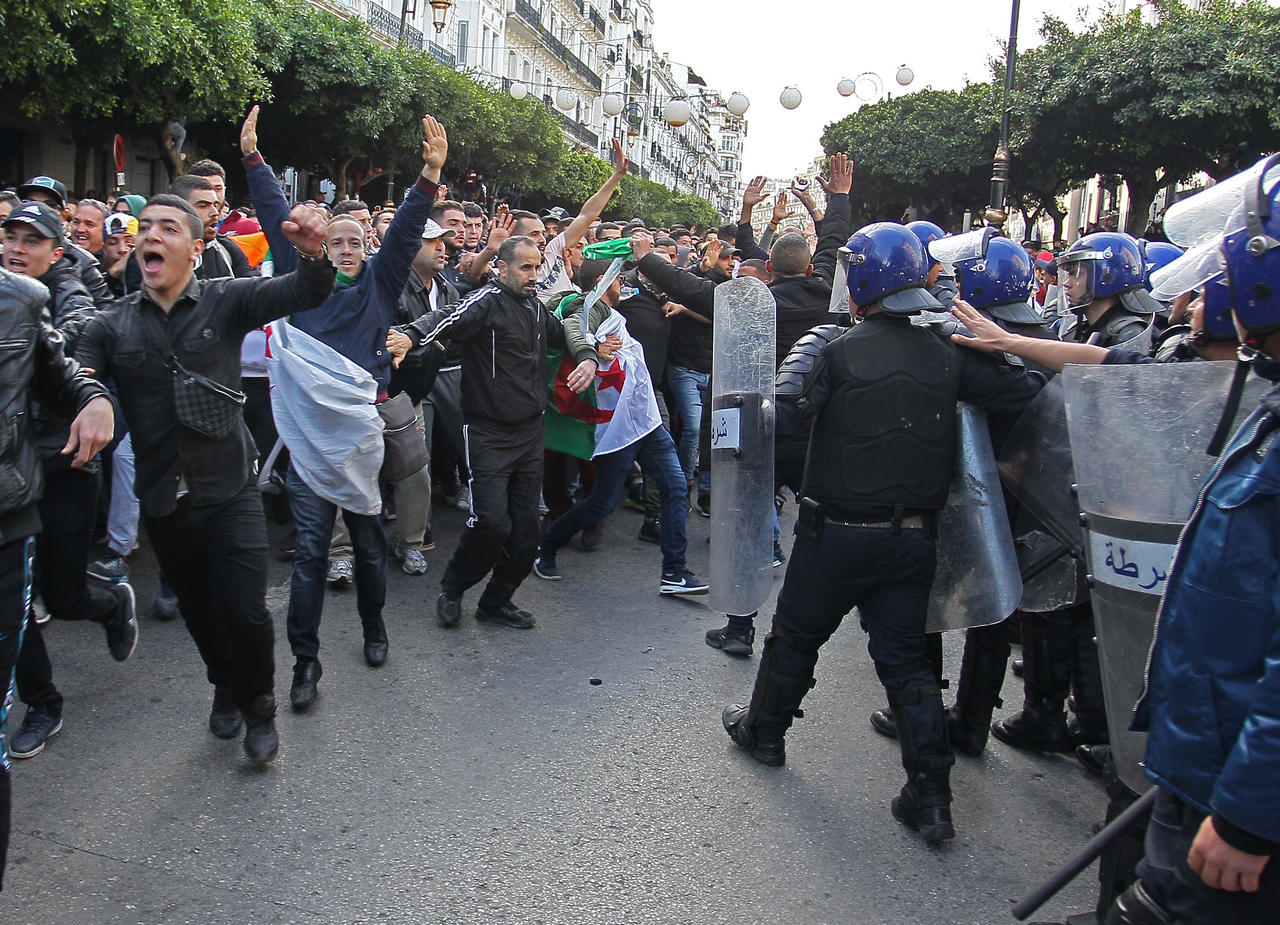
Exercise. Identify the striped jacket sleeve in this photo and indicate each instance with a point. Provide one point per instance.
(454, 322)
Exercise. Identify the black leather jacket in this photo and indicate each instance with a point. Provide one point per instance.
(32, 364)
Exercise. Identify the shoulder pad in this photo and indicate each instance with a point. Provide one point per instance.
(804, 357)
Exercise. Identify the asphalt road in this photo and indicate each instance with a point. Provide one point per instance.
(479, 777)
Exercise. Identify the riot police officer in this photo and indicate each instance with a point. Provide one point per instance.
(883, 399)
(1102, 279)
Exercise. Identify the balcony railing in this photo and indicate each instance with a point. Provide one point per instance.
(596, 20)
(526, 12)
(576, 128)
(384, 21)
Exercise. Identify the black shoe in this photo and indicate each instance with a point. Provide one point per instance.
(448, 609)
(508, 614)
(224, 717)
(882, 721)
(650, 532)
(1034, 730)
(545, 566)
(682, 582)
(703, 504)
(306, 672)
(1094, 758)
(375, 642)
(591, 535)
(964, 738)
(925, 805)
(165, 605)
(766, 750)
(261, 741)
(122, 625)
(732, 641)
(38, 726)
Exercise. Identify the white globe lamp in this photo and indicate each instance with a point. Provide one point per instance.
(846, 87)
(904, 76)
(565, 98)
(677, 112)
(519, 90)
(738, 104)
(613, 104)
(790, 98)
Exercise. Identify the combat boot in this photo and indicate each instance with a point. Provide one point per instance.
(1042, 724)
(760, 727)
(925, 801)
(982, 670)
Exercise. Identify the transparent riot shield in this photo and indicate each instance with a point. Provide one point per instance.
(1138, 435)
(742, 425)
(1035, 463)
(977, 581)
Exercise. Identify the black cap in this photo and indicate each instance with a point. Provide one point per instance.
(46, 185)
(40, 216)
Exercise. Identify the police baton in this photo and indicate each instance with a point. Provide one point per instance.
(1088, 854)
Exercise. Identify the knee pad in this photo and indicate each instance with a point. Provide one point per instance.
(1136, 907)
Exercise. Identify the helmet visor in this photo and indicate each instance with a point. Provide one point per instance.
(950, 250)
(1206, 215)
(1188, 272)
(840, 285)
(1077, 277)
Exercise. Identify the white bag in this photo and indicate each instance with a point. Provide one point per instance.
(324, 411)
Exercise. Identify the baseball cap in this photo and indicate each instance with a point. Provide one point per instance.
(432, 230)
(119, 223)
(40, 216)
(1044, 260)
(558, 213)
(46, 184)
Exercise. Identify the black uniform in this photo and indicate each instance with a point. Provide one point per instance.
(879, 468)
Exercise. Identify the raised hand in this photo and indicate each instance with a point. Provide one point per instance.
(435, 149)
(780, 210)
(754, 194)
(620, 161)
(249, 133)
(641, 244)
(841, 180)
(500, 229)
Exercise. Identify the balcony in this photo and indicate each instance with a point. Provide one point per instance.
(525, 11)
(387, 23)
(596, 20)
(637, 78)
(618, 11)
(574, 127)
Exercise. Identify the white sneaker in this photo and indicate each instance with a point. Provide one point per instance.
(340, 573)
(412, 561)
(464, 499)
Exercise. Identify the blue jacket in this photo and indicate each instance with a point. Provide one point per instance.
(354, 320)
(1212, 698)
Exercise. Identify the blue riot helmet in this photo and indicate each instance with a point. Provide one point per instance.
(994, 273)
(927, 232)
(1216, 323)
(883, 263)
(1157, 255)
(1251, 249)
(1105, 263)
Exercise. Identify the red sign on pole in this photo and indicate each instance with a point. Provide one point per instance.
(117, 149)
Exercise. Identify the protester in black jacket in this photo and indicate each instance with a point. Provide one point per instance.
(34, 367)
(199, 497)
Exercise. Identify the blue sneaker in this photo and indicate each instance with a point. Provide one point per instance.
(684, 582)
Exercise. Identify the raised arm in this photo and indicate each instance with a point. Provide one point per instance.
(268, 196)
(835, 226)
(258, 301)
(592, 208)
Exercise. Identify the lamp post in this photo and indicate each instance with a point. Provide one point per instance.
(996, 214)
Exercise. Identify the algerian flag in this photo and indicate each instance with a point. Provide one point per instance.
(615, 412)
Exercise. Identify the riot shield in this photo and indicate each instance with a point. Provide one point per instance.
(1138, 435)
(742, 424)
(1035, 464)
(977, 581)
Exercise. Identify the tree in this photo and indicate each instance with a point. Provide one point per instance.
(104, 65)
(1152, 103)
(931, 145)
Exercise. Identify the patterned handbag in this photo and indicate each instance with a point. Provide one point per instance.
(205, 406)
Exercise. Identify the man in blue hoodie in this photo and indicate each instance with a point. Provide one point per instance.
(354, 321)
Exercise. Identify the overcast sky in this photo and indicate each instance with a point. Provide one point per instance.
(763, 46)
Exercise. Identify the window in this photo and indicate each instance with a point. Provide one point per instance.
(463, 26)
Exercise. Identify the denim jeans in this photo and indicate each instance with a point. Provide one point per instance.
(16, 560)
(657, 455)
(690, 390)
(313, 519)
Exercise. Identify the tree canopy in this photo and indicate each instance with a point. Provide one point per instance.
(1149, 102)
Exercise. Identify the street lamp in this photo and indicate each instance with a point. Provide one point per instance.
(996, 214)
(790, 98)
(440, 13)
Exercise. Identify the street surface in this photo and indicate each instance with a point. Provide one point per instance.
(480, 777)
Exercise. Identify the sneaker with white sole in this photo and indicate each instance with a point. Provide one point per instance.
(38, 727)
(412, 561)
(111, 567)
(545, 567)
(682, 583)
(464, 499)
(341, 572)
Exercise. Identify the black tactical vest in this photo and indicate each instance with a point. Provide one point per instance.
(886, 435)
